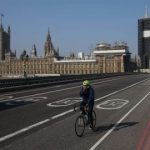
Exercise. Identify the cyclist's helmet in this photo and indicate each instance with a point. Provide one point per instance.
(86, 83)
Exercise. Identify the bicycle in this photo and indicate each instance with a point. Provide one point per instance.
(83, 120)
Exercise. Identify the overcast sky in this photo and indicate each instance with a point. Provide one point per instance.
(75, 25)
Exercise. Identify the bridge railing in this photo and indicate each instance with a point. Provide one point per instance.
(22, 83)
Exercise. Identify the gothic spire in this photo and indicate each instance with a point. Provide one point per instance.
(33, 52)
(48, 36)
(48, 47)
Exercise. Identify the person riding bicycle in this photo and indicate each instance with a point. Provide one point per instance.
(87, 94)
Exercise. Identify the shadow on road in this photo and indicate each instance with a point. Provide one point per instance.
(117, 126)
(12, 104)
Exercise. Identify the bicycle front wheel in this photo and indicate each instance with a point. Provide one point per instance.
(80, 126)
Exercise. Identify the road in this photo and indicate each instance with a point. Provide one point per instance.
(43, 119)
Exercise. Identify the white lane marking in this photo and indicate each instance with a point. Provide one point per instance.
(64, 102)
(34, 125)
(112, 104)
(120, 90)
(29, 96)
(76, 87)
(116, 78)
(113, 128)
(59, 115)
(23, 130)
(4, 97)
(28, 99)
(60, 90)
(34, 99)
(62, 114)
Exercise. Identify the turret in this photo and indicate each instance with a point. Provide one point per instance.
(33, 52)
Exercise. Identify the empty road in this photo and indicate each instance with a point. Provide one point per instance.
(43, 118)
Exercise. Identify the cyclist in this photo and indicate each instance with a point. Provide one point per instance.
(87, 94)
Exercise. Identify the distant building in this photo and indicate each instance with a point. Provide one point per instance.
(144, 41)
(104, 59)
(115, 58)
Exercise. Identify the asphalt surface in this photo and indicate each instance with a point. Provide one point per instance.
(43, 119)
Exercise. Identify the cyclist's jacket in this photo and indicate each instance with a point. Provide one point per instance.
(87, 95)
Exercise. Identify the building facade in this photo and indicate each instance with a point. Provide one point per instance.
(104, 59)
(144, 41)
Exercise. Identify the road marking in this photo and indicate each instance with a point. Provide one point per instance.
(4, 97)
(113, 128)
(64, 102)
(76, 87)
(64, 113)
(28, 99)
(23, 130)
(72, 83)
(121, 90)
(59, 90)
(35, 99)
(112, 104)
(34, 125)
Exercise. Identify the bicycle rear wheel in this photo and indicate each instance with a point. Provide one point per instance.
(93, 120)
(80, 125)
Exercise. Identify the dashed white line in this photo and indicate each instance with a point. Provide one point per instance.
(54, 91)
(23, 130)
(120, 90)
(104, 80)
(62, 114)
(34, 125)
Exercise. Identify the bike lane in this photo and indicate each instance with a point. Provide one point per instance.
(131, 131)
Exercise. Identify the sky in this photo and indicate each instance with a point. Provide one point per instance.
(75, 25)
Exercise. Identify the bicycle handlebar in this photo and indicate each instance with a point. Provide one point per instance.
(86, 107)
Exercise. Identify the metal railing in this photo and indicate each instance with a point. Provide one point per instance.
(22, 83)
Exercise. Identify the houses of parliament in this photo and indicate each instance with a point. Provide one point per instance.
(105, 58)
